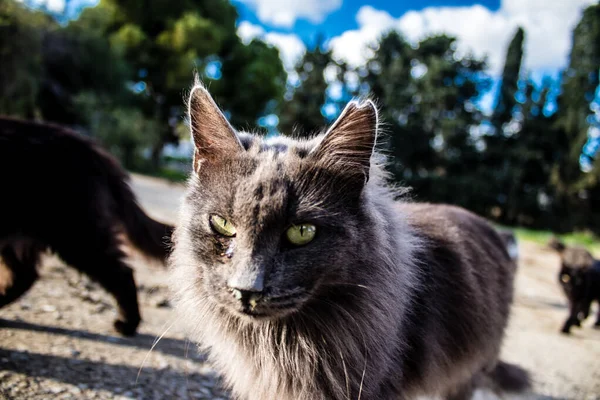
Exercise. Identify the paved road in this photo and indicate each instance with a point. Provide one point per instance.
(58, 342)
(159, 198)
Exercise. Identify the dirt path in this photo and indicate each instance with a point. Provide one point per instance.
(58, 342)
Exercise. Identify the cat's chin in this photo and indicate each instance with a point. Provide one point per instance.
(255, 316)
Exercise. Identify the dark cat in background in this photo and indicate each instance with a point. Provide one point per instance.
(61, 191)
(579, 277)
(304, 279)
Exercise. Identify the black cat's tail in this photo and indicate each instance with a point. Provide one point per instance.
(510, 378)
(151, 237)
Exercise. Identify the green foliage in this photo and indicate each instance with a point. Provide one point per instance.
(192, 32)
(508, 145)
(536, 156)
(252, 84)
(437, 140)
(21, 36)
(50, 71)
(303, 109)
(70, 59)
(579, 192)
(506, 100)
(580, 238)
(128, 37)
(169, 41)
(125, 131)
(388, 76)
(428, 92)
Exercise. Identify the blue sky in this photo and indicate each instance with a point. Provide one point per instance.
(343, 18)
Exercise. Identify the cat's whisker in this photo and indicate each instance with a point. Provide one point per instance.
(152, 348)
(346, 376)
(333, 284)
(186, 370)
(352, 319)
(364, 346)
(187, 347)
(362, 380)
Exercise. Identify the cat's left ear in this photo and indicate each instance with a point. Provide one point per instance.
(214, 138)
(349, 143)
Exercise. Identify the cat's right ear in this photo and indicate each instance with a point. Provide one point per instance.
(349, 143)
(214, 138)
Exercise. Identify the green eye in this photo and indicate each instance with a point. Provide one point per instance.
(301, 234)
(222, 226)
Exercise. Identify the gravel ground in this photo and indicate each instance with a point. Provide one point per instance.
(57, 341)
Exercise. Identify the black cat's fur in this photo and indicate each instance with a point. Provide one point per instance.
(61, 191)
(390, 300)
(579, 277)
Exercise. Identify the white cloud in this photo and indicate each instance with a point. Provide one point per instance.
(331, 72)
(291, 48)
(352, 45)
(55, 6)
(247, 31)
(547, 23)
(286, 12)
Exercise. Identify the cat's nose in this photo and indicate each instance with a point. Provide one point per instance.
(247, 286)
(246, 297)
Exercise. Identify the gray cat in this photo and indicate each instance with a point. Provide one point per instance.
(303, 278)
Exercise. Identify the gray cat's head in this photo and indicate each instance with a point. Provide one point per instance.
(273, 223)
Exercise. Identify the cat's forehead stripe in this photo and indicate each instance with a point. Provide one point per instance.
(263, 195)
(277, 147)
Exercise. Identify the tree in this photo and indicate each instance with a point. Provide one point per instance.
(388, 77)
(127, 63)
(21, 36)
(253, 83)
(165, 42)
(531, 150)
(579, 191)
(304, 108)
(446, 113)
(506, 100)
(122, 128)
(504, 143)
(79, 58)
(428, 92)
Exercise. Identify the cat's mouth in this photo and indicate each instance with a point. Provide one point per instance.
(270, 307)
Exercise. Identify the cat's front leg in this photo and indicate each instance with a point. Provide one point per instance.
(126, 296)
(572, 320)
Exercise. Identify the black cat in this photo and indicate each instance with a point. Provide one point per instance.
(579, 278)
(61, 191)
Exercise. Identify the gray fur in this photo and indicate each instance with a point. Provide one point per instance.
(390, 300)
